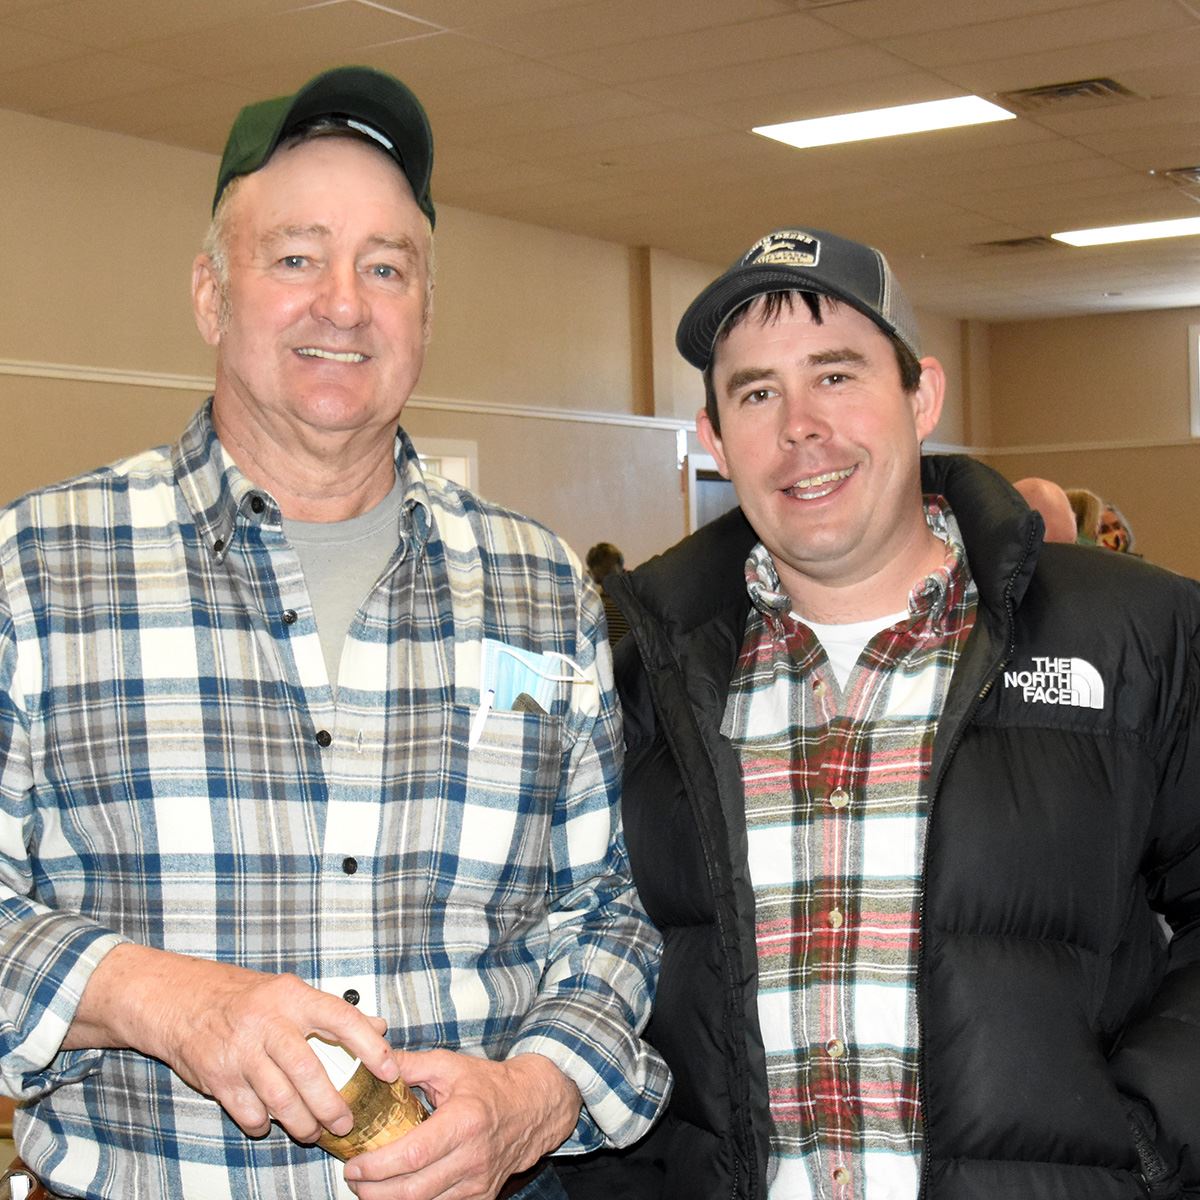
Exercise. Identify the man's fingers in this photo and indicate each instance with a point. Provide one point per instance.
(247, 1109)
(362, 1037)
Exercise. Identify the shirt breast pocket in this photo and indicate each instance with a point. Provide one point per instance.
(503, 786)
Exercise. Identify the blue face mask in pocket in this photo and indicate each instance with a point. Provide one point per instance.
(512, 679)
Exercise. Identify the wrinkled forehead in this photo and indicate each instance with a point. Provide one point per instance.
(327, 181)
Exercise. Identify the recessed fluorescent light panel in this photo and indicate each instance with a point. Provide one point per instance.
(886, 122)
(1144, 232)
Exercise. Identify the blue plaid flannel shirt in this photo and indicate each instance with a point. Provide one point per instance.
(176, 770)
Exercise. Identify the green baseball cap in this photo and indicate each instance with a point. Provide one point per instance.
(371, 102)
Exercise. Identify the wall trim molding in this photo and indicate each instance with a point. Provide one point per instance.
(198, 383)
(1087, 447)
(203, 385)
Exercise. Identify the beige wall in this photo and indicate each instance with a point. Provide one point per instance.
(1103, 402)
(1112, 377)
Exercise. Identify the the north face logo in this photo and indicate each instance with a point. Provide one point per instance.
(1059, 681)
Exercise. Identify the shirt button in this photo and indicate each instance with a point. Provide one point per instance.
(835, 918)
(257, 504)
(349, 865)
(841, 1176)
(324, 737)
(835, 1048)
(351, 996)
(839, 798)
(289, 616)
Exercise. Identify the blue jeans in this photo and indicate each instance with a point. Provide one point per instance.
(545, 1187)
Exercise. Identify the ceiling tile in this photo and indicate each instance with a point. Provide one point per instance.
(453, 13)
(10, 8)
(497, 87)
(1120, 59)
(92, 77)
(1130, 115)
(600, 136)
(704, 49)
(335, 30)
(579, 108)
(111, 24)
(143, 114)
(1050, 30)
(611, 23)
(807, 73)
(877, 19)
(20, 50)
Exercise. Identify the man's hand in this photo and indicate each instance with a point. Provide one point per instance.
(238, 1036)
(490, 1120)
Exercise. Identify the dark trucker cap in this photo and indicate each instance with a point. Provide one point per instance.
(797, 260)
(375, 104)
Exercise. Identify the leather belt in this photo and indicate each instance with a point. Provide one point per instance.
(37, 1190)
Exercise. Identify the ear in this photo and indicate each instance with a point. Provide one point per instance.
(710, 439)
(206, 299)
(928, 397)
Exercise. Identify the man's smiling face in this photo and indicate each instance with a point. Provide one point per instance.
(822, 443)
(322, 321)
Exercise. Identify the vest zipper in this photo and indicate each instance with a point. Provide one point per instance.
(993, 675)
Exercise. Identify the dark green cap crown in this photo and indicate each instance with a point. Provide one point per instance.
(376, 104)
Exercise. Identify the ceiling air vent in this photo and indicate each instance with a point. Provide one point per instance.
(1015, 245)
(1060, 97)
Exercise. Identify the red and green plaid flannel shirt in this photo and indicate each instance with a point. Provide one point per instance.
(836, 799)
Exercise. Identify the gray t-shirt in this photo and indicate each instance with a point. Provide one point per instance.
(341, 561)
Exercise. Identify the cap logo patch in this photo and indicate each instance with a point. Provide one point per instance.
(788, 247)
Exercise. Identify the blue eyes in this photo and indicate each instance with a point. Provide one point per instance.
(384, 271)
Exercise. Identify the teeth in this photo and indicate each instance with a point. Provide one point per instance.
(804, 485)
(348, 356)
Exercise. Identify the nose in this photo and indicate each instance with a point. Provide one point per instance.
(802, 417)
(341, 298)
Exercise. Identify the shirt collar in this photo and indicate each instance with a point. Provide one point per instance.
(220, 496)
(930, 596)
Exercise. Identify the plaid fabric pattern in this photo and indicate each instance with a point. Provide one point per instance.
(174, 770)
(835, 800)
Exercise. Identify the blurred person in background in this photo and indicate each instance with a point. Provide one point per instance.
(1046, 497)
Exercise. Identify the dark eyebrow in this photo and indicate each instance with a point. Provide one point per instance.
(845, 356)
(746, 375)
(841, 356)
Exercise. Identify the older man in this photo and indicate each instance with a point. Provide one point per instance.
(1046, 497)
(908, 792)
(295, 741)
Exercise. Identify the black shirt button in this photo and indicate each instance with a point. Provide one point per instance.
(324, 737)
(289, 616)
(351, 996)
(349, 865)
(257, 504)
